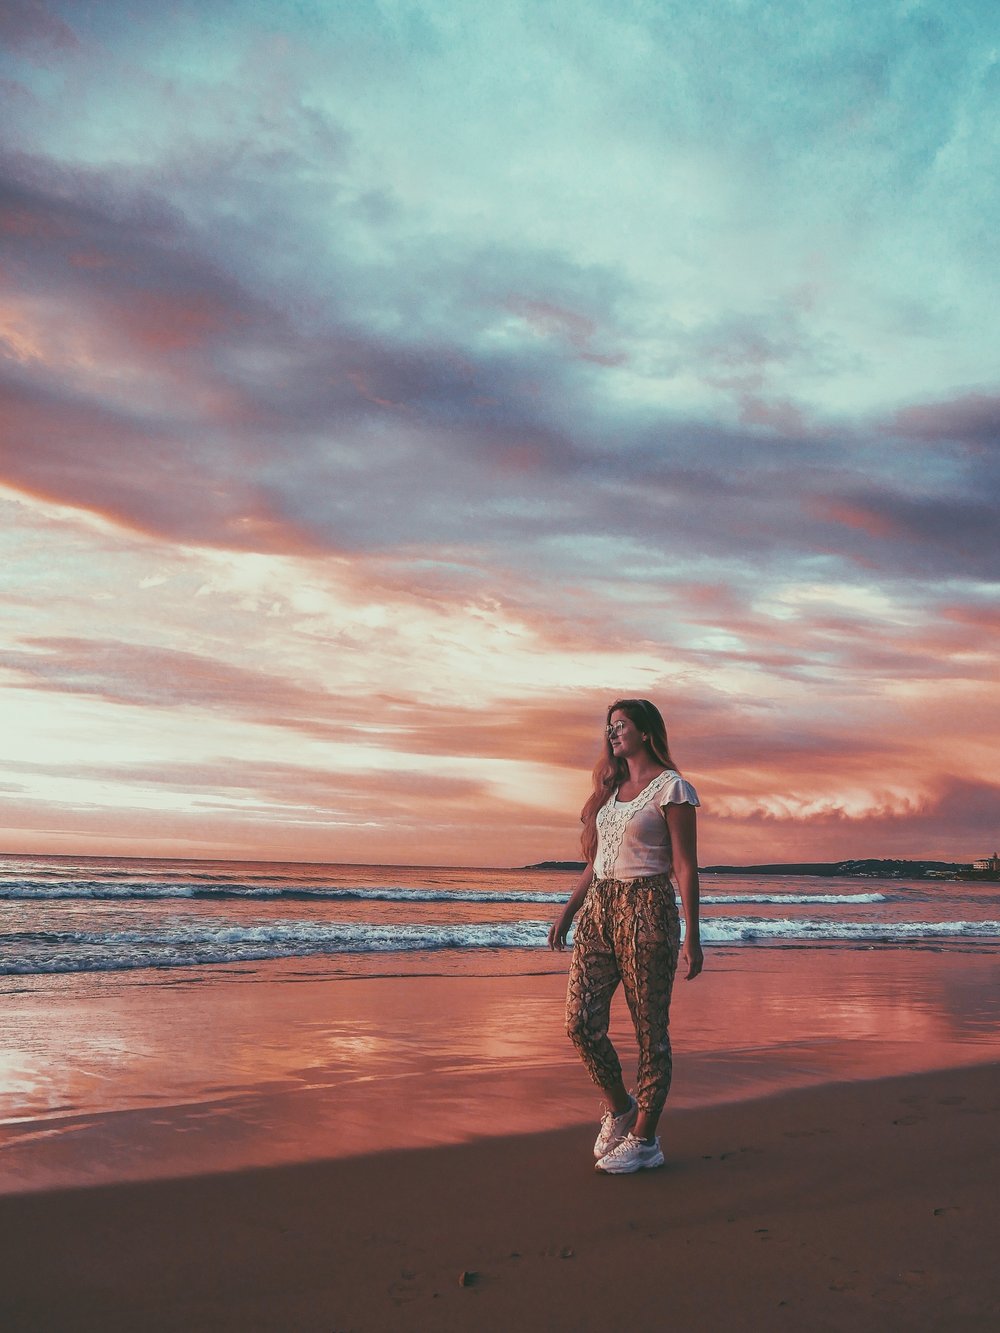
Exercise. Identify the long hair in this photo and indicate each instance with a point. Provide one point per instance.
(610, 772)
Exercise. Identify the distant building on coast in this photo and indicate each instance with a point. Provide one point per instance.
(989, 863)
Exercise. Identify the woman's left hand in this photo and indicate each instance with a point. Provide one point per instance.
(692, 958)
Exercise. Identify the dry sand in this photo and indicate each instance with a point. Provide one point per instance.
(864, 1206)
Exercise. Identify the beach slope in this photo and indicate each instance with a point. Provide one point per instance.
(866, 1206)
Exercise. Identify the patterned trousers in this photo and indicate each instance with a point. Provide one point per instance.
(627, 931)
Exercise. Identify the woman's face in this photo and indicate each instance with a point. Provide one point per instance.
(625, 737)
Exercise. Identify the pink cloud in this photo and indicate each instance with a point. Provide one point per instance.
(138, 473)
(984, 620)
(337, 832)
(23, 220)
(778, 414)
(956, 822)
(166, 322)
(858, 516)
(28, 24)
(563, 733)
(736, 750)
(973, 418)
(553, 320)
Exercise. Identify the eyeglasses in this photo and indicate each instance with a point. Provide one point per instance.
(615, 729)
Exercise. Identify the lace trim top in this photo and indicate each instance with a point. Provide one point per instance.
(632, 836)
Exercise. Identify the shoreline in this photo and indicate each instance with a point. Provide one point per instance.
(865, 1205)
(283, 1068)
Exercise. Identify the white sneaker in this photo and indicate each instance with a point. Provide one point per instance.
(631, 1154)
(615, 1127)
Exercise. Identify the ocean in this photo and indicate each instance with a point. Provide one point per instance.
(93, 915)
(169, 1017)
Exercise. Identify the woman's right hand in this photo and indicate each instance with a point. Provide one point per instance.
(560, 928)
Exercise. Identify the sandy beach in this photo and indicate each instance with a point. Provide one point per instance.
(111, 1078)
(858, 1206)
(330, 1140)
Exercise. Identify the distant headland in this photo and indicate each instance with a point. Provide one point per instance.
(870, 868)
(556, 865)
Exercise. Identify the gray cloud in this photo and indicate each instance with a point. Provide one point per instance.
(30, 26)
(382, 411)
(973, 418)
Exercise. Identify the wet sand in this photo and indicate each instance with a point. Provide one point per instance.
(271, 1151)
(111, 1078)
(862, 1206)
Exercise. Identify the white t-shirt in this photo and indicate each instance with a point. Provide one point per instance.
(632, 836)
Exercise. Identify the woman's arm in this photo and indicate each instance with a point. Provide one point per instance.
(681, 822)
(560, 927)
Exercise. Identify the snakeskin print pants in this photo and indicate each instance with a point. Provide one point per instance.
(627, 931)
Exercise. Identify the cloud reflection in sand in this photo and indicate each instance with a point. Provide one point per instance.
(298, 1068)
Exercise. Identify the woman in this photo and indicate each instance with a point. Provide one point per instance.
(638, 827)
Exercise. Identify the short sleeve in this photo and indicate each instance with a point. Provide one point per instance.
(676, 791)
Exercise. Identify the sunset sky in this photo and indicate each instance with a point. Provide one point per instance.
(389, 385)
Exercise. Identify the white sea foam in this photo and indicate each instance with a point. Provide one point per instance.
(198, 942)
(251, 892)
(758, 899)
(31, 891)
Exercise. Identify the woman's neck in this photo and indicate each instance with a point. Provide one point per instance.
(642, 768)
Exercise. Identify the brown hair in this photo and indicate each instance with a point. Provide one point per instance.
(609, 772)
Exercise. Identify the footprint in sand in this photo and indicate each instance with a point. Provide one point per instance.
(912, 1277)
(405, 1288)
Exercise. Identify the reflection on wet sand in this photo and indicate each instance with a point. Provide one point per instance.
(258, 1066)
